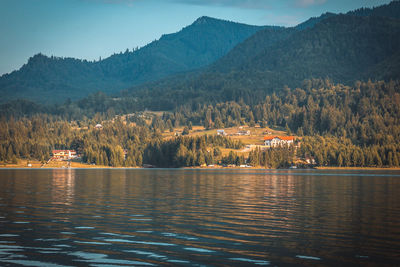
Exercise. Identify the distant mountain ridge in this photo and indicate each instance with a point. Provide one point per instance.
(391, 10)
(53, 79)
(343, 48)
(314, 20)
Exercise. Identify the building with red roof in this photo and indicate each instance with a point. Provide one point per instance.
(64, 154)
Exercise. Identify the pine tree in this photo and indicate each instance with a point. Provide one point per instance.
(181, 155)
(14, 159)
(185, 131)
(200, 159)
(139, 160)
(340, 160)
(390, 159)
(395, 160)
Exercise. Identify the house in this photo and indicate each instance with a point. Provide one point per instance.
(98, 126)
(310, 161)
(64, 154)
(274, 141)
(243, 132)
(221, 132)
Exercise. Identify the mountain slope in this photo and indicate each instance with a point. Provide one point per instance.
(391, 10)
(50, 79)
(251, 47)
(314, 20)
(344, 48)
(195, 46)
(255, 50)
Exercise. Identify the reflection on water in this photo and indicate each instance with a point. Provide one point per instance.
(124, 217)
(63, 185)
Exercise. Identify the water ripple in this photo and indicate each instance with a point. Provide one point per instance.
(191, 217)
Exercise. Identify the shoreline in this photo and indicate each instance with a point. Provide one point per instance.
(358, 168)
(79, 165)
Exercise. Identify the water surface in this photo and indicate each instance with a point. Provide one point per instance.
(118, 217)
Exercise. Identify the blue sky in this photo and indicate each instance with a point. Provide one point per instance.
(89, 29)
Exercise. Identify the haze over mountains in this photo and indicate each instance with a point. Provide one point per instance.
(245, 62)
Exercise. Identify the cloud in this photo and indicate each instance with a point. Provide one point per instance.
(307, 3)
(120, 2)
(249, 4)
(252, 4)
(287, 20)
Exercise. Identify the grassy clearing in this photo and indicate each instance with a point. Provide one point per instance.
(256, 136)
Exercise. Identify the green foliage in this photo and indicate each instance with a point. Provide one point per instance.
(360, 125)
(116, 144)
(185, 131)
(332, 151)
(187, 151)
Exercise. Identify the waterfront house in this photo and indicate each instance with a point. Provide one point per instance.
(64, 154)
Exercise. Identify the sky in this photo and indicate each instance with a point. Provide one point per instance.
(93, 29)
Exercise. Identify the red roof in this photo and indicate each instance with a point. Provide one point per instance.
(286, 138)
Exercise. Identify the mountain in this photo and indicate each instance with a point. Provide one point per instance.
(343, 48)
(391, 10)
(251, 47)
(263, 47)
(244, 62)
(314, 20)
(53, 79)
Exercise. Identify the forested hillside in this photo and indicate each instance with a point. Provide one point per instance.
(341, 126)
(342, 48)
(53, 79)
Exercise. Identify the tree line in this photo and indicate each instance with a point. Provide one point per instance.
(338, 125)
(118, 143)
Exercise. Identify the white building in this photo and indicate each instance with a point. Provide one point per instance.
(221, 132)
(274, 141)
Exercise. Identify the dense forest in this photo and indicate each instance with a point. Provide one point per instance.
(117, 144)
(337, 125)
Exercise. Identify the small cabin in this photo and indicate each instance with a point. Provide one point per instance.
(98, 126)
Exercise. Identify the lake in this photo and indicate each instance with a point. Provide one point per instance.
(149, 217)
